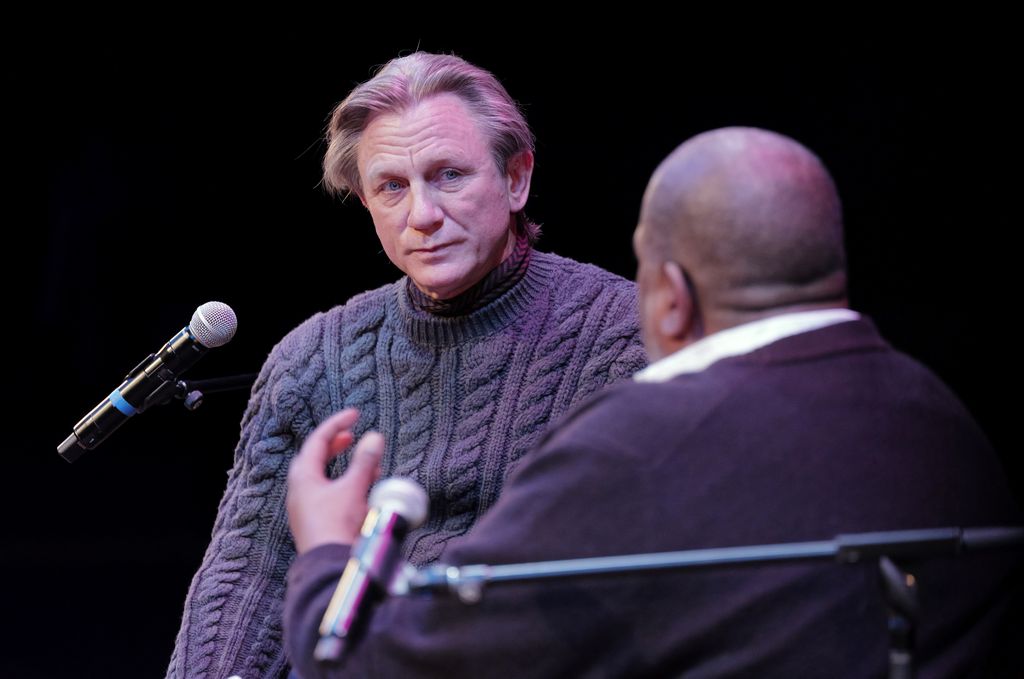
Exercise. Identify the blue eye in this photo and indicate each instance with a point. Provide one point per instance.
(392, 185)
(450, 174)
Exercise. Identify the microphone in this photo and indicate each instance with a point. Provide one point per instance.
(153, 381)
(397, 505)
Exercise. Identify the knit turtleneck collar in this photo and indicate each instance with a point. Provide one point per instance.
(490, 288)
(511, 303)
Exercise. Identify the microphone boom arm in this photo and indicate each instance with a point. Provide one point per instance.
(467, 582)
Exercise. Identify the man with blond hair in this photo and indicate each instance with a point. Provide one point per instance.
(462, 364)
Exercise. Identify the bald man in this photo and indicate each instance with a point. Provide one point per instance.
(771, 413)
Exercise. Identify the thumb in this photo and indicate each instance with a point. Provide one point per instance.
(364, 466)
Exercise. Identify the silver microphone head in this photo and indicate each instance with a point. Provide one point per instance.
(402, 496)
(213, 324)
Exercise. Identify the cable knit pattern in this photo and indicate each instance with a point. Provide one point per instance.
(547, 371)
(413, 367)
(458, 399)
(351, 344)
(460, 471)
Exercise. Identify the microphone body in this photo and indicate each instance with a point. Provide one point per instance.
(397, 505)
(154, 380)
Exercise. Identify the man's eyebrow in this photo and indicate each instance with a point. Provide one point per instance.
(443, 158)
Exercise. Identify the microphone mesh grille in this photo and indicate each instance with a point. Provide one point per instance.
(403, 496)
(214, 324)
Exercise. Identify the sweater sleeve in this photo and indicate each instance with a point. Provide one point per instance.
(232, 618)
(312, 579)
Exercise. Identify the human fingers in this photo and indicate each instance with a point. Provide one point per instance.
(327, 440)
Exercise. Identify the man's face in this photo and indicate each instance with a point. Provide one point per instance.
(441, 207)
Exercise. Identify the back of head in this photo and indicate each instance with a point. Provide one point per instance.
(404, 82)
(754, 219)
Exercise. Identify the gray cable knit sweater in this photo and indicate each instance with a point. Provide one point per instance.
(459, 401)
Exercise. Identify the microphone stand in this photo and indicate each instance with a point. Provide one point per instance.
(899, 588)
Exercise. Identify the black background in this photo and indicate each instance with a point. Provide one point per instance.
(181, 165)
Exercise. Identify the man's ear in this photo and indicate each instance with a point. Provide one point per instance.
(677, 318)
(518, 174)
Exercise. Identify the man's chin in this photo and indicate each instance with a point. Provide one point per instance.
(440, 288)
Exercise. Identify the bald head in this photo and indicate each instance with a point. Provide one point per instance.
(753, 218)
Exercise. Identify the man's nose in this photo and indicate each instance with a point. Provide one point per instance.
(425, 214)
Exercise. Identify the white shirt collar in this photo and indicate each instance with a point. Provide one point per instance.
(739, 340)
